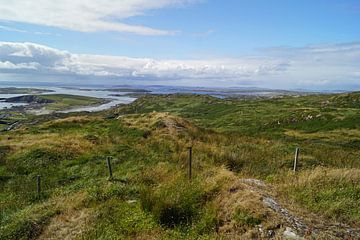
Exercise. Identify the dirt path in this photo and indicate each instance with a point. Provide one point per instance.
(67, 226)
(298, 227)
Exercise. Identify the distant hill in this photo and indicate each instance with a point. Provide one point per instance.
(29, 99)
(15, 90)
(349, 100)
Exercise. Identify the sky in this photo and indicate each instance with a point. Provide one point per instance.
(284, 44)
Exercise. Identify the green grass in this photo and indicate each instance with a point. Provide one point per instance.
(243, 217)
(260, 117)
(149, 195)
(65, 101)
(332, 192)
(174, 203)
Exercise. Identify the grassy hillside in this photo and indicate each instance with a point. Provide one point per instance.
(347, 100)
(257, 116)
(242, 180)
(65, 101)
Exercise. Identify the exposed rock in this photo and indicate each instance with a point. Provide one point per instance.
(294, 221)
(299, 228)
(12, 126)
(309, 117)
(290, 234)
(254, 181)
(5, 115)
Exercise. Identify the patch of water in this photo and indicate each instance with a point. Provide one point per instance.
(120, 98)
(113, 103)
(4, 105)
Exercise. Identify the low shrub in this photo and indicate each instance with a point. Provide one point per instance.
(174, 203)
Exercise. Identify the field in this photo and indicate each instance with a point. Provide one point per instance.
(242, 187)
(64, 101)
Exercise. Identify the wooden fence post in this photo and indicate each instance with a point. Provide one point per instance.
(109, 167)
(190, 163)
(296, 158)
(38, 185)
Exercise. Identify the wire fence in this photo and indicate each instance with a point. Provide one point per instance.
(37, 186)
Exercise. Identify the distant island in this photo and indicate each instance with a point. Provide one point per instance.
(15, 90)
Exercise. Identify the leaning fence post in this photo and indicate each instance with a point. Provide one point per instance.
(38, 185)
(109, 166)
(296, 158)
(190, 163)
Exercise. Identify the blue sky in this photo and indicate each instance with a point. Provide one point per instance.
(269, 43)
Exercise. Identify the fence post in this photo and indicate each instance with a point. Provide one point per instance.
(38, 185)
(109, 167)
(190, 163)
(296, 158)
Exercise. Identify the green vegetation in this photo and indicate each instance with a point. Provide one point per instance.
(64, 101)
(243, 217)
(150, 197)
(257, 117)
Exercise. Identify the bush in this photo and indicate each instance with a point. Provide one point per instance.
(174, 203)
(208, 221)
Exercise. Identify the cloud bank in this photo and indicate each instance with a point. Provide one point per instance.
(318, 67)
(87, 15)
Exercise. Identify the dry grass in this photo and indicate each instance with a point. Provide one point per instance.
(330, 136)
(150, 155)
(321, 174)
(158, 121)
(332, 193)
(72, 220)
(67, 226)
(75, 119)
(74, 142)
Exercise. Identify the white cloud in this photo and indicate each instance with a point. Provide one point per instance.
(321, 66)
(11, 29)
(326, 66)
(11, 66)
(61, 62)
(86, 15)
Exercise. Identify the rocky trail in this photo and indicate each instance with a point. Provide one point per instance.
(298, 225)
